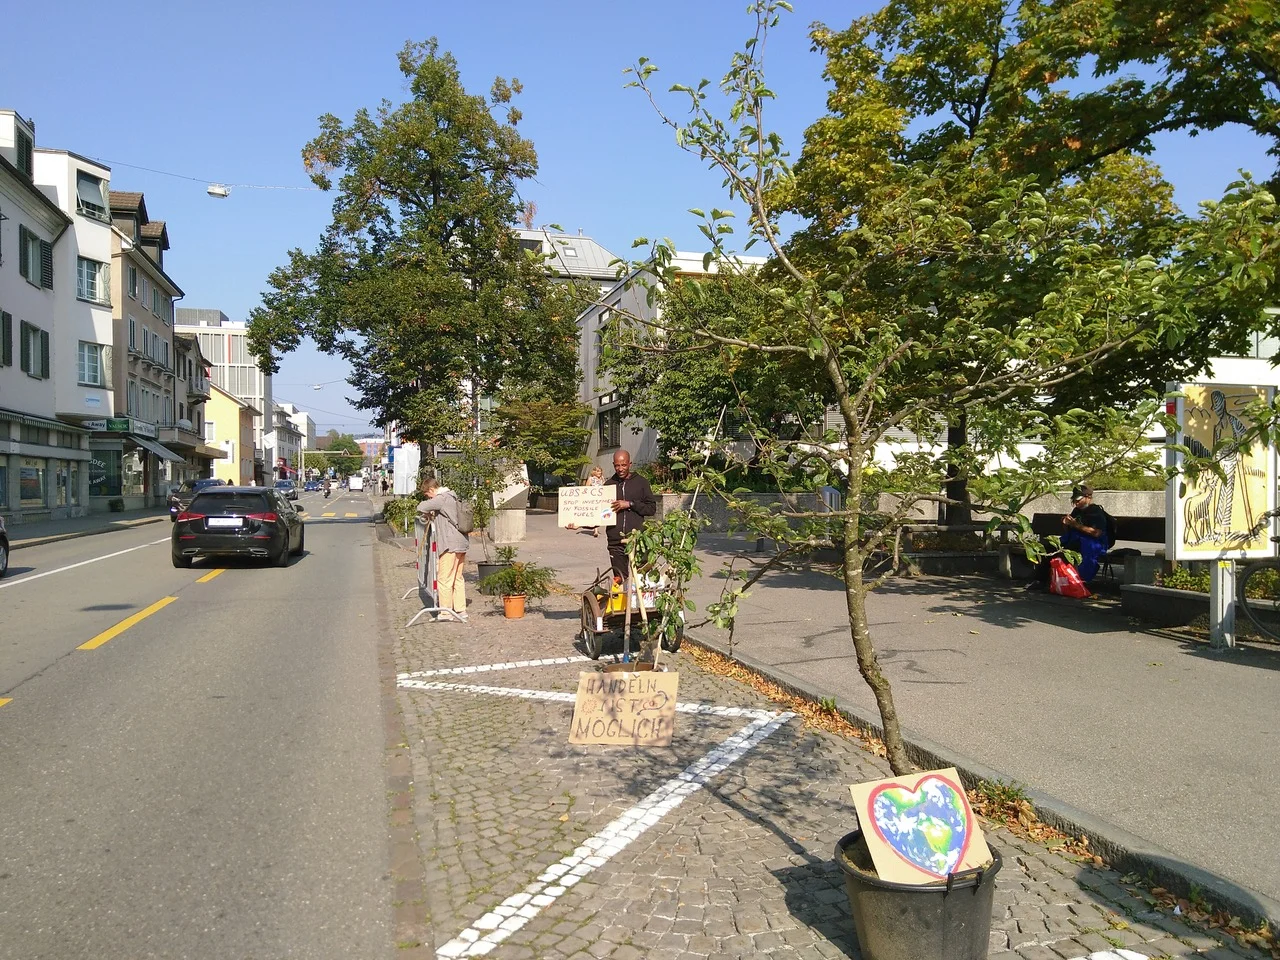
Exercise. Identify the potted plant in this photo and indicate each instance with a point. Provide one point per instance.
(516, 583)
(503, 558)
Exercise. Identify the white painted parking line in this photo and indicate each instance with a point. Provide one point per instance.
(514, 912)
(106, 556)
(701, 709)
(488, 667)
(1114, 955)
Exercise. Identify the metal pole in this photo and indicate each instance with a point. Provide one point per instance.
(1222, 610)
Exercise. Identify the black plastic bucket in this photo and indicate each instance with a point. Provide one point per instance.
(899, 921)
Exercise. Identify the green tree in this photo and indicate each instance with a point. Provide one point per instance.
(545, 431)
(418, 281)
(344, 443)
(958, 286)
(678, 384)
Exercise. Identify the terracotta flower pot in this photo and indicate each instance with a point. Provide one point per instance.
(513, 607)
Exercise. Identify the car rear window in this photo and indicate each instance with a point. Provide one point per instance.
(213, 504)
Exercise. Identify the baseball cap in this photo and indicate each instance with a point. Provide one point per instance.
(1080, 492)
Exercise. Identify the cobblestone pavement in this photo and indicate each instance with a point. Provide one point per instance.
(529, 847)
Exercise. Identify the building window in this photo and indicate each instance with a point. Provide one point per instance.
(31, 472)
(6, 339)
(73, 482)
(26, 149)
(34, 344)
(133, 281)
(609, 423)
(4, 482)
(89, 365)
(131, 405)
(91, 199)
(210, 431)
(93, 282)
(35, 259)
(104, 473)
(165, 346)
(155, 300)
(133, 333)
(146, 291)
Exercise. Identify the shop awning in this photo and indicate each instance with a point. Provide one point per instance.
(164, 453)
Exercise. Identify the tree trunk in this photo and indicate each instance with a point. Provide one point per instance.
(957, 486)
(855, 592)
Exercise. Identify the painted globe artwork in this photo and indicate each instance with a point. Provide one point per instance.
(928, 827)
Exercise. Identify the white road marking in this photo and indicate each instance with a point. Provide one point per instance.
(49, 573)
(488, 667)
(1114, 955)
(701, 709)
(517, 910)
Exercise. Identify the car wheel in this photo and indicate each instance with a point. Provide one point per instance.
(282, 558)
(302, 542)
(181, 562)
(4, 558)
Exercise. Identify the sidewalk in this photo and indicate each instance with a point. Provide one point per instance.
(51, 531)
(509, 842)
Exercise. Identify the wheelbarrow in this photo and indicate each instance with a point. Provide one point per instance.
(604, 611)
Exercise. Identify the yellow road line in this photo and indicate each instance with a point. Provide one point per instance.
(125, 624)
(330, 514)
(4, 700)
(211, 574)
(353, 514)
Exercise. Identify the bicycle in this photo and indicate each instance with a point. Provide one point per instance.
(1258, 594)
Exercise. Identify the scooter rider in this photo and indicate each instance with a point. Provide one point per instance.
(326, 488)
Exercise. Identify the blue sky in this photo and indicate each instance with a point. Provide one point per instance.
(230, 93)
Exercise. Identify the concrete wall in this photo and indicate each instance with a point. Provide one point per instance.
(717, 510)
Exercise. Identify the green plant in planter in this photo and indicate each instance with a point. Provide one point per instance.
(505, 554)
(520, 579)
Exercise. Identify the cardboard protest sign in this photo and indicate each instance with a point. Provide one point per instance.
(630, 709)
(919, 828)
(587, 506)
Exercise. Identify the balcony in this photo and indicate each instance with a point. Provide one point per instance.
(180, 434)
(198, 389)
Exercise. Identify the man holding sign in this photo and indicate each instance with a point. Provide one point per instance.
(634, 504)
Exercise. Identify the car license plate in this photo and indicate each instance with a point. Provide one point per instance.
(225, 521)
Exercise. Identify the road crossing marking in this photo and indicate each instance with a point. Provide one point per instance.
(106, 556)
(353, 514)
(702, 709)
(4, 700)
(330, 514)
(517, 910)
(125, 624)
(211, 574)
(487, 667)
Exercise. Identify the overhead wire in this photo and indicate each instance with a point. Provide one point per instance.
(182, 176)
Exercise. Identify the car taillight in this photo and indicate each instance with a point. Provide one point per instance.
(262, 517)
(187, 515)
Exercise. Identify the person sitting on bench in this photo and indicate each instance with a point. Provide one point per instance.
(1088, 531)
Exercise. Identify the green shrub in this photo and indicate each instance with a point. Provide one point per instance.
(1125, 480)
(1181, 578)
(398, 514)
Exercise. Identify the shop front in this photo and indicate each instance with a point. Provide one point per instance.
(126, 466)
(43, 469)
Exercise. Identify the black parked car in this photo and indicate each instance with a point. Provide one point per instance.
(4, 549)
(237, 522)
(181, 497)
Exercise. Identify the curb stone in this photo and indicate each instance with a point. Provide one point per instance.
(1123, 851)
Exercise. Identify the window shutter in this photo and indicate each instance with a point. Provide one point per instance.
(108, 370)
(24, 253)
(46, 264)
(24, 346)
(44, 354)
(6, 340)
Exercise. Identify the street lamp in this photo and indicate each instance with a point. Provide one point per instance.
(220, 190)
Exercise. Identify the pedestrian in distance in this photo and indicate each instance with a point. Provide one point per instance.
(1088, 530)
(633, 506)
(441, 507)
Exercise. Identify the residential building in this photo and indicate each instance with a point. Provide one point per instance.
(186, 434)
(43, 461)
(611, 433)
(137, 466)
(304, 424)
(228, 425)
(572, 256)
(235, 369)
(286, 440)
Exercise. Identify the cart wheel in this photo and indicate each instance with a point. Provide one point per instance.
(592, 642)
(672, 644)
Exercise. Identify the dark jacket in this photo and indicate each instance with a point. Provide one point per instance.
(634, 489)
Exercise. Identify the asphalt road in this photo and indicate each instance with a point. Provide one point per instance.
(1167, 739)
(209, 781)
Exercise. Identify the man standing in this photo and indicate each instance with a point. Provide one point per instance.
(633, 505)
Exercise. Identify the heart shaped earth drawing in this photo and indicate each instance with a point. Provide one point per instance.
(928, 827)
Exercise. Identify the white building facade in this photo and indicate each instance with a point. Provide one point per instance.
(43, 460)
(233, 368)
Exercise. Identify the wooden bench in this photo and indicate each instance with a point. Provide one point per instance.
(1133, 529)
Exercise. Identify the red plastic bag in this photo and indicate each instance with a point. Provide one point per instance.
(1064, 580)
